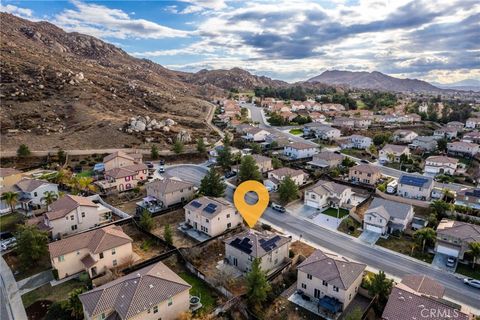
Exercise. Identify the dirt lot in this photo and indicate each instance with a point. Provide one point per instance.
(180, 240)
(143, 246)
(300, 248)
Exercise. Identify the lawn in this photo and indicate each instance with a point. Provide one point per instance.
(200, 289)
(9, 221)
(332, 212)
(466, 270)
(296, 132)
(87, 173)
(404, 245)
(54, 294)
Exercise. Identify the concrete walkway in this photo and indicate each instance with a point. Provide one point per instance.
(11, 305)
(35, 281)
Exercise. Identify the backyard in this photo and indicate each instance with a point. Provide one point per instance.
(333, 212)
(201, 290)
(350, 226)
(20, 271)
(9, 221)
(53, 294)
(296, 131)
(357, 153)
(144, 247)
(174, 218)
(404, 245)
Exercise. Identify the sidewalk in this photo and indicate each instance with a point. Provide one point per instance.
(11, 305)
(35, 281)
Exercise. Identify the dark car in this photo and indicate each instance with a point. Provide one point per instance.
(230, 174)
(364, 161)
(149, 165)
(162, 162)
(5, 235)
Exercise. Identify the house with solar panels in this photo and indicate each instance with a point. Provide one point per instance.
(414, 186)
(272, 250)
(211, 216)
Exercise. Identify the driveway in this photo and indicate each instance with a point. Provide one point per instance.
(369, 237)
(300, 210)
(35, 281)
(327, 221)
(440, 261)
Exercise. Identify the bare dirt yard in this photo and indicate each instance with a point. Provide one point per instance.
(174, 218)
(144, 247)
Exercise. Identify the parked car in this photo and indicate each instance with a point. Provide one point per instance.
(5, 235)
(149, 165)
(364, 161)
(472, 282)
(161, 169)
(162, 162)
(278, 207)
(230, 174)
(8, 244)
(451, 262)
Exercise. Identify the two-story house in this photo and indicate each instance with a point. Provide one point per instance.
(472, 123)
(472, 137)
(468, 198)
(169, 191)
(322, 131)
(355, 141)
(343, 122)
(465, 149)
(364, 173)
(31, 192)
(392, 153)
(404, 136)
(332, 281)
(424, 143)
(326, 159)
(327, 194)
(121, 159)
(151, 293)
(275, 177)
(255, 134)
(440, 165)
(453, 237)
(211, 216)
(272, 250)
(300, 150)
(459, 126)
(263, 163)
(445, 132)
(93, 251)
(386, 216)
(414, 186)
(362, 122)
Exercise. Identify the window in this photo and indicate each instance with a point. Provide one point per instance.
(83, 214)
(250, 258)
(74, 227)
(304, 286)
(309, 276)
(127, 178)
(170, 302)
(72, 217)
(113, 251)
(335, 289)
(155, 309)
(312, 196)
(229, 225)
(207, 221)
(102, 316)
(228, 215)
(114, 262)
(66, 218)
(34, 194)
(101, 255)
(325, 283)
(316, 293)
(78, 253)
(61, 258)
(350, 297)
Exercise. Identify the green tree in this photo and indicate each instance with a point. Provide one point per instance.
(154, 152)
(355, 314)
(83, 184)
(178, 146)
(31, 245)
(379, 287)
(58, 311)
(373, 149)
(249, 170)
(227, 141)
(49, 197)
(225, 158)
(257, 284)
(287, 190)
(146, 220)
(474, 251)
(273, 145)
(347, 162)
(168, 234)
(276, 163)
(440, 208)
(62, 156)
(256, 148)
(74, 304)
(23, 151)
(201, 148)
(11, 199)
(425, 236)
(442, 144)
(212, 184)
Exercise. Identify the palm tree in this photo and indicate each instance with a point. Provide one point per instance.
(83, 184)
(474, 250)
(63, 176)
(49, 197)
(11, 199)
(379, 287)
(425, 236)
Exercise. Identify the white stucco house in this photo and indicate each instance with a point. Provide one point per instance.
(300, 150)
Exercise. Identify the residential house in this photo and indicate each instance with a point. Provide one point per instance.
(355, 141)
(459, 126)
(424, 143)
(326, 159)
(72, 214)
(472, 137)
(317, 117)
(211, 216)
(386, 216)
(445, 132)
(362, 122)
(9, 177)
(272, 250)
(343, 122)
(453, 237)
(414, 186)
(121, 159)
(365, 173)
(263, 163)
(321, 131)
(404, 136)
(255, 134)
(169, 191)
(472, 123)
(32, 191)
(300, 150)
(460, 148)
(418, 297)
(392, 153)
(93, 252)
(330, 280)
(440, 165)
(468, 198)
(275, 177)
(151, 293)
(325, 194)
(123, 178)
(412, 118)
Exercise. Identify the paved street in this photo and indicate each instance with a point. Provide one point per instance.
(376, 257)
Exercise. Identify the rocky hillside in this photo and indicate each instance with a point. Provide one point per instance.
(235, 78)
(374, 81)
(75, 91)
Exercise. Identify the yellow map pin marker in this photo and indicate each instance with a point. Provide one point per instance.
(251, 213)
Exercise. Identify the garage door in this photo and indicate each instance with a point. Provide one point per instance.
(448, 251)
(312, 204)
(376, 229)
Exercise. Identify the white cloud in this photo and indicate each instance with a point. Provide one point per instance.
(21, 12)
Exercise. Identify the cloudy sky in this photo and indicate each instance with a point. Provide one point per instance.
(433, 40)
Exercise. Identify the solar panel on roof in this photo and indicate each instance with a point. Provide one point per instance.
(196, 204)
(268, 245)
(413, 181)
(210, 208)
(242, 244)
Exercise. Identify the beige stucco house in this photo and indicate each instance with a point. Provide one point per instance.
(392, 153)
(364, 173)
(272, 250)
(461, 148)
(121, 159)
(326, 159)
(92, 251)
(328, 277)
(453, 237)
(327, 193)
(440, 165)
(415, 186)
(263, 163)
(152, 293)
(276, 176)
(170, 191)
(212, 216)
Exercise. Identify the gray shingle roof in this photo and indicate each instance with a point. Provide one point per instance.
(29, 185)
(394, 209)
(333, 269)
(169, 185)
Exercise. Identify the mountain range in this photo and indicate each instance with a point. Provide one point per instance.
(465, 85)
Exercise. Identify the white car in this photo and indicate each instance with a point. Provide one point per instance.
(8, 244)
(472, 282)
